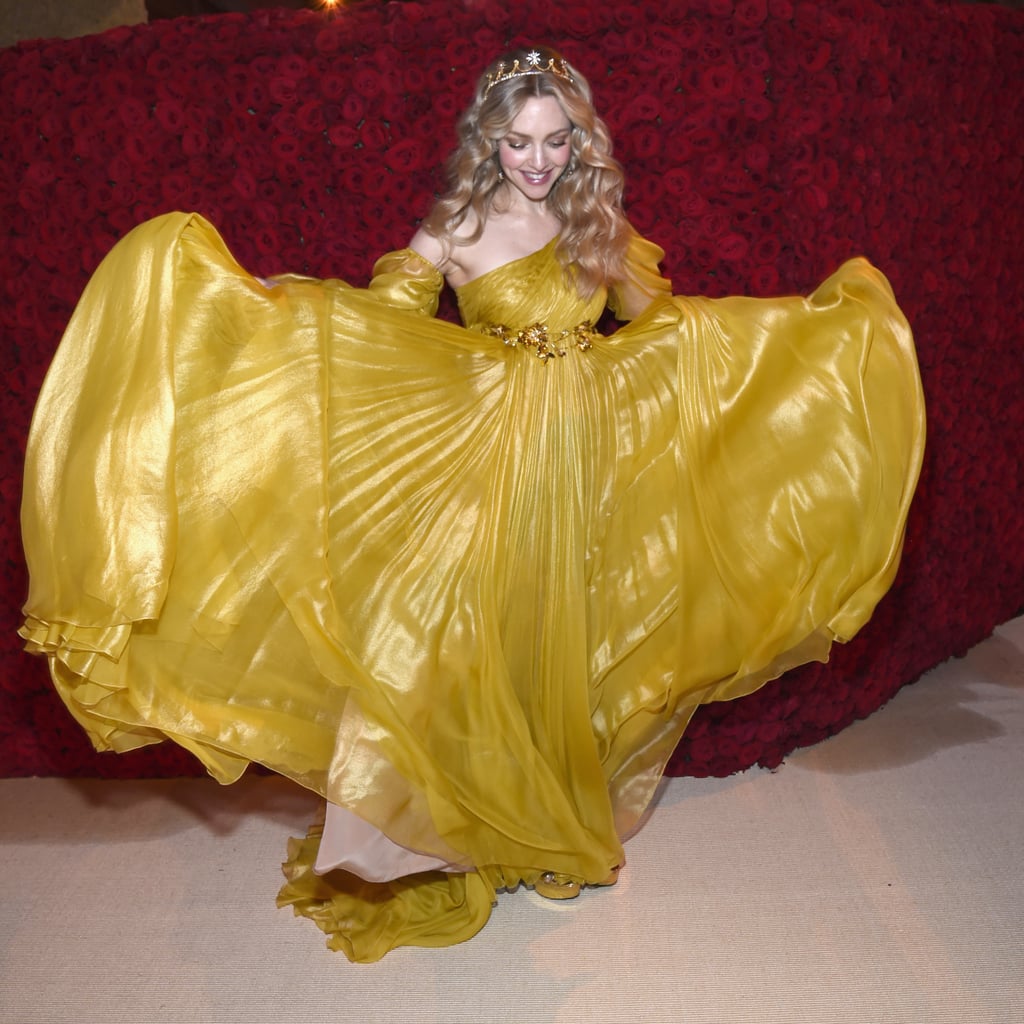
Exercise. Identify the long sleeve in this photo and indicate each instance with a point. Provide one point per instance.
(406, 280)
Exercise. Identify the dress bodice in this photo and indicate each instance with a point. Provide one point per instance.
(530, 290)
(523, 293)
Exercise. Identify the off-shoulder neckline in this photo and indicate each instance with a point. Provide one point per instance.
(487, 273)
(508, 263)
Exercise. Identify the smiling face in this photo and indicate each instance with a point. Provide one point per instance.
(536, 149)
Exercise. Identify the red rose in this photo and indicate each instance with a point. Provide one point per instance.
(758, 108)
(446, 108)
(255, 94)
(647, 191)
(816, 57)
(702, 748)
(293, 66)
(666, 51)
(333, 86)
(367, 82)
(765, 280)
(405, 35)
(343, 136)
(625, 15)
(244, 183)
(285, 147)
(329, 39)
(283, 90)
(644, 218)
(644, 107)
(404, 156)
(692, 204)
(827, 173)
(353, 108)
(133, 113)
(766, 249)
(374, 134)
(733, 247)
(645, 142)
(194, 141)
(713, 224)
(750, 82)
(713, 165)
(309, 117)
(40, 174)
(171, 116)
(751, 13)
(677, 181)
(392, 108)
(271, 191)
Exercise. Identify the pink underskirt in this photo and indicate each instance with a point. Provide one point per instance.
(351, 844)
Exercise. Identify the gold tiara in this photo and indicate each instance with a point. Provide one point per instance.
(531, 66)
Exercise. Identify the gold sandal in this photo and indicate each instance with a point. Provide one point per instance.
(554, 886)
(613, 877)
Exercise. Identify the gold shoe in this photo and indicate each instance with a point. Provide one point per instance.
(553, 886)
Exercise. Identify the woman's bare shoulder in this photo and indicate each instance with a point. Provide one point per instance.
(431, 248)
(455, 256)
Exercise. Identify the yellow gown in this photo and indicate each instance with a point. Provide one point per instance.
(467, 592)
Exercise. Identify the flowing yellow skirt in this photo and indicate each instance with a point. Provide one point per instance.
(472, 598)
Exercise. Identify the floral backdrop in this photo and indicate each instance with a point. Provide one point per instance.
(765, 141)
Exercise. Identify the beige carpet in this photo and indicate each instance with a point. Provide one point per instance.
(874, 878)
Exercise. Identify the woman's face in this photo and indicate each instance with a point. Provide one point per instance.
(536, 148)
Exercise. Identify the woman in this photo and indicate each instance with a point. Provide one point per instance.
(469, 583)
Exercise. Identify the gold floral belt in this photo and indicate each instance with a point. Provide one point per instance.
(542, 341)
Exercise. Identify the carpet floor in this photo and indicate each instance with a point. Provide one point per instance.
(876, 877)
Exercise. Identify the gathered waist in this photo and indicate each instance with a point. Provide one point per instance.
(545, 343)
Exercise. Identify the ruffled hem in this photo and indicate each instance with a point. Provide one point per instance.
(73, 642)
(365, 920)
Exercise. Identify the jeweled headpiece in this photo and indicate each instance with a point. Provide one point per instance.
(532, 64)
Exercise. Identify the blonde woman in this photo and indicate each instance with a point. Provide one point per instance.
(534, 162)
(468, 583)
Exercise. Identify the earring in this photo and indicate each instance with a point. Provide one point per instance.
(501, 175)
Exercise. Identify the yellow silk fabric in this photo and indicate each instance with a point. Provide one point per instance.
(469, 594)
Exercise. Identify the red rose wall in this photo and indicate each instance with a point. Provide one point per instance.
(765, 142)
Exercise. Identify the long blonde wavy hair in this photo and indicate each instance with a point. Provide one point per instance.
(587, 198)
